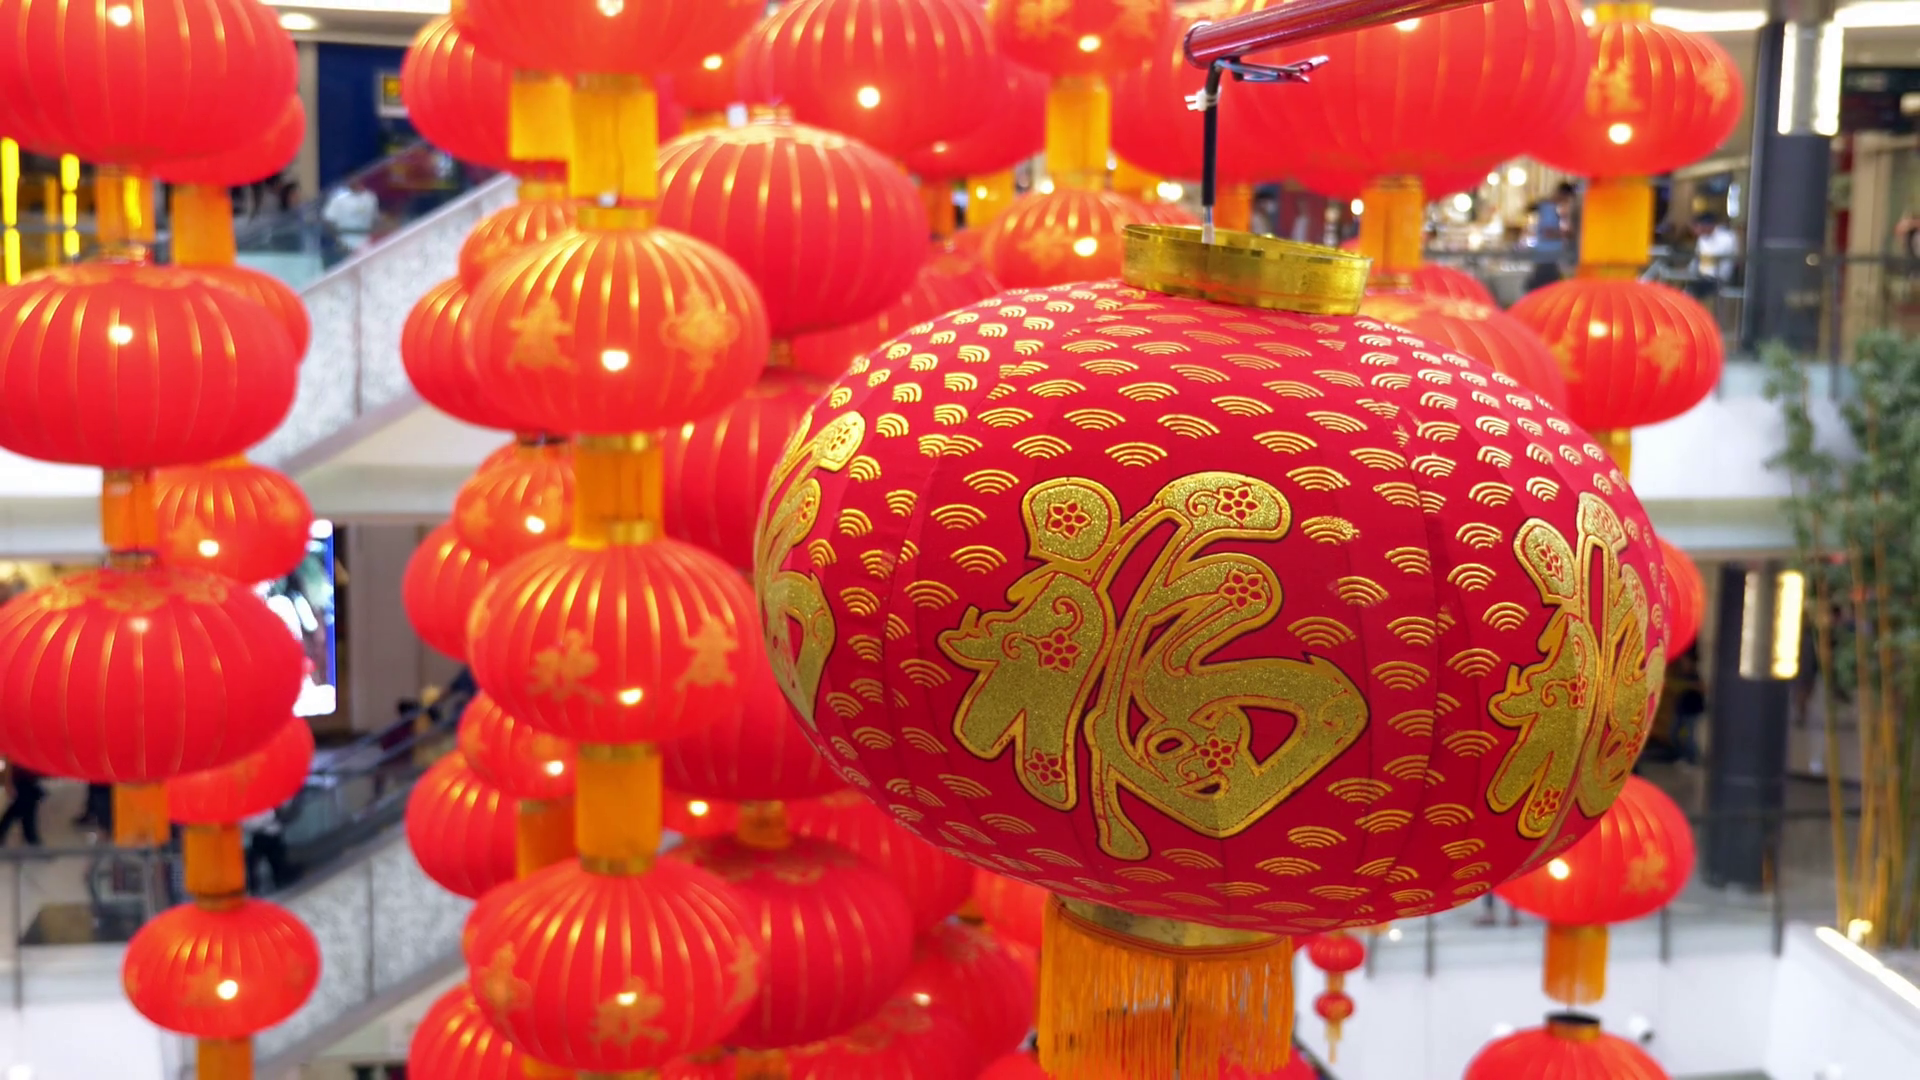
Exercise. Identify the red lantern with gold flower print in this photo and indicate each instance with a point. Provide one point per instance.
(1570, 1046)
(442, 581)
(461, 829)
(233, 518)
(1632, 865)
(905, 1040)
(455, 1042)
(988, 985)
(512, 756)
(896, 76)
(1480, 331)
(1014, 130)
(935, 883)
(434, 355)
(1132, 520)
(1078, 37)
(542, 214)
(1068, 235)
(1686, 597)
(512, 507)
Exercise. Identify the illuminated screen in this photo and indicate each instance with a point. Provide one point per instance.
(304, 601)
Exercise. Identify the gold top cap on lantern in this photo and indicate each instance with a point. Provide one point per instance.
(1245, 270)
(1573, 1027)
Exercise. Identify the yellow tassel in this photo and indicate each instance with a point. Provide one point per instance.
(216, 861)
(761, 1065)
(1333, 1041)
(1619, 444)
(617, 808)
(544, 834)
(941, 218)
(1616, 227)
(1576, 964)
(1393, 228)
(224, 1059)
(202, 226)
(1127, 995)
(763, 826)
(140, 815)
(1079, 132)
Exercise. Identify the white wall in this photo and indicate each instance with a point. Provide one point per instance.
(94, 1040)
(1830, 1011)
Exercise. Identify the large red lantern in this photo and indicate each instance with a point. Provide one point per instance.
(512, 756)
(122, 366)
(1686, 598)
(896, 76)
(442, 581)
(1013, 130)
(945, 283)
(1079, 37)
(455, 1042)
(555, 650)
(457, 95)
(614, 331)
(514, 506)
(1569, 1047)
(810, 907)
(145, 82)
(233, 518)
(906, 1040)
(580, 37)
(255, 784)
(1480, 331)
(935, 883)
(1161, 134)
(716, 468)
(987, 984)
(1067, 235)
(1634, 353)
(434, 354)
(221, 973)
(461, 829)
(752, 753)
(556, 972)
(830, 230)
(1632, 865)
(1658, 98)
(163, 671)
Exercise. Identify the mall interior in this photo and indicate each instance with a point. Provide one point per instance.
(502, 573)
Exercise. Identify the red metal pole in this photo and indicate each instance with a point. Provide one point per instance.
(1301, 20)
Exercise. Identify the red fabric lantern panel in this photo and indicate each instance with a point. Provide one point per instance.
(1657, 99)
(1402, 550)
(564, 967)
(716, 468)
(512, 507)
(522, 762)
(755, 752)
(1063, 236)
(1160, 134)
(247, 162)
(271, 293)
(461, 829)
(121, 366)
(1014, 910)
(830, 230)
(1569, 1047)
(1686, 598)
(434, 353)
(609, 332)
(1079, 37)
(554, 643)
(1632, 865)
(223, 973)
(1450, 283)
(987, 985)
(233, 518)
(947, 282)
(1480, 331)
(934, 882)
(455, 1042)
(1633, 353)
(269, 777)
(147, 82)
(907, 1040)
(136, 675)
(696, 818)
(513, 229)
(440, 587)
(597, 37)
(1014, 130)
(835, 932)
(896, 76)
(1476, 85)
(710, 85)
(457, 95)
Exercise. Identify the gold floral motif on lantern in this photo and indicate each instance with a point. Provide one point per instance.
(1611, 89)
(1039, 18)
(709, 666)
(1648, 873)
(560, 671)
(1070, 647)
(745, 970)
(703, 330)
(627, 1016)
(537, 336)
(500, 988)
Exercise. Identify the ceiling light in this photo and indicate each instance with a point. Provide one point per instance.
(1517, 176)
(298, 22)
(1710, 22)
(1463, 202)
(1878, 15)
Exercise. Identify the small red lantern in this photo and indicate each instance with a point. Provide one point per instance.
(1658, 98)
(145, 83)
(1068, 235)
(935, 883)
(543, 213)
(1632, 865)
(221, 973)
(455, 1042)
(1083, 37)
(811, 906)
(457, 95)
(1569, 1047)
(608, 332)
(510, 755)
(752, 753)
(433, 352)
(1335, 1008)
(461, 829)
(1013, 909)
(716, 468)
(1686, 598)
(1481, 331)
(1444, 282)
(830, 230)
(512, 507)
(121, 366)
(442, 582)
(233, 518)
(946, 283)
(255, 784)
(1162, 135)
(985, 983)
(163, 671)
(581, 37)
(906, 1040)
(1014, 130)
(1633, 353)
(556, 652)
(896, 76)
(591, 1001)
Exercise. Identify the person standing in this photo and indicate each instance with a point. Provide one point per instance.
(28, 792)
(1553, 231)
(99, 809)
